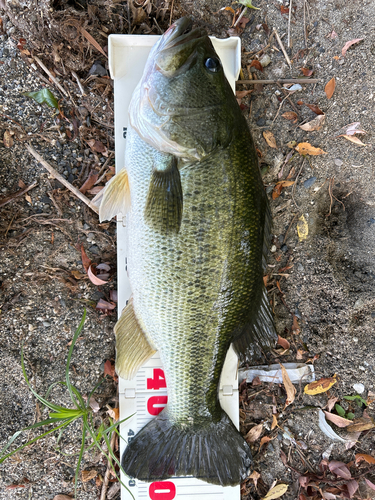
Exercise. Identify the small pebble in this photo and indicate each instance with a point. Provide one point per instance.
(309, 182)
(359, 388)
(338, 162)
(265, 60)
(94, 249)
(261, 122)
(273, 248)
(284, 248)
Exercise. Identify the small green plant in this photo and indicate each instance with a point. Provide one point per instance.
(44, 96)
(60, 417)
(340, 411)
(360, 401)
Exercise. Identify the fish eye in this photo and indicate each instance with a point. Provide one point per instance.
(213, 64)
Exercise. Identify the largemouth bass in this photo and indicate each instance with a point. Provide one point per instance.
(199, 228)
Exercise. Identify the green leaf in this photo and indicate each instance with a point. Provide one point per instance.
(248, 4)
(350, 416)
(360, 401)
(340, 410)
(44, 96)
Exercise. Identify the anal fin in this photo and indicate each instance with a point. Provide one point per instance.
(132, 346)
(163, 211)
(258, 334)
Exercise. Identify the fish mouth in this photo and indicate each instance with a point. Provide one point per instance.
(181, 32)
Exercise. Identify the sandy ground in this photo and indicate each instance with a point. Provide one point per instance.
(325, 282)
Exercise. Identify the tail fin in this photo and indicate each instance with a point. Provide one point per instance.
(213, 452)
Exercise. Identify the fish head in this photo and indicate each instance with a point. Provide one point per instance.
(184, 104)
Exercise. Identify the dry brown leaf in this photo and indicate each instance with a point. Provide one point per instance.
(243, 93)
(337, 420)
(88, 474)
(279, 187)
(78, 275)
(367, 458)
(289, 387)
(290, 115)
(353, 138)
(95, 190)
(264, 440)
(315, 124)
(89, 182)
(361, 424)
(255, 476)
(254, 433)
(256, 64)
(283, 342)
(113, 412)
(28, 199)
(305, 148)
(86, 262)
(104, 305)
(330, 88)
(62, 497)
(94, 279)
(319, 386)
(270, 139)
(307, 72)
(349, 44)
(299, 354)
(314, 108)
(331, 403)
(21, 184)
(97, 146)
(274, 422)
(8, 139)
(295, 327)
(276, 492)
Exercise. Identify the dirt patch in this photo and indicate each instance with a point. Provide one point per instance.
(325, 283)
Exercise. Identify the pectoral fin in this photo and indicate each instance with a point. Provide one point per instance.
(132, 346)
(115, 197)
(163, 210)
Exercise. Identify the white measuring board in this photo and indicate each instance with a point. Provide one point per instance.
(146, 395)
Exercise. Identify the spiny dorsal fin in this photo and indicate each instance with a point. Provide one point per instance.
(115, 197)
(132, 346)
(163, 211)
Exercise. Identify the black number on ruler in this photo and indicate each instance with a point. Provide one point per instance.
(124, 131)
(130, 435)
(131, 482)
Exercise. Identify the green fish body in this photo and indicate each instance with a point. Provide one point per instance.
(199, 225)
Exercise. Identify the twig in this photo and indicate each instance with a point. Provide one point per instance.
(61, 179)
(19, 193)
(79, 83)
(108, 471)
(331, 195)
(240, 17)
(100, 173)
(278, 111)
(289, 99)
(290, 17)
(59, 211)
(286, 80)
(170, 17)
(295, 183)
(304, 22)
(290, 225)
(282, 48)
(62, 90)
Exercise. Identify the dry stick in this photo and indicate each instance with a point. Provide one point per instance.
(61, 179)
(286, 80)
(304, 22)
(240, 17)
(170, 17)
(278, 111)
(12, 197)
(62, 90)
(295, 183)
(79, 83)
(108, 471)
(282, 47)
(290, 17)
(289, 99)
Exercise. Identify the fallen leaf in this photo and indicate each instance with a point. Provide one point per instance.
(255, 476)
(103, 304)
(352, 487)
(290, 115)
(315, 124)
(256, 64)
(97, 146)
(340, 469)
(89, 182)
(44, 96)
(361, 424)
(307, 72)
(302, 228)
(349, 44)
(283, 342)
(353, 138)
(299, 354)
(337, 420)
(88, 474)
(279, 187)
(248, 4)
(295, 327)
(14, 486)
(86, 262)
(331, 403)
(305, 148)
(351, 129)
(330, 88)
(284, 10)
(276, 492)
(8, 139)
(28, 199)
(95, 190)
(270, 139)
(370, 484)
(314, 108)
(367, 458)
(94, 279)
(243, 93)
(274, 422)
(264, 440)
(292, 144)
(333, 34)
(336, 58)
(77, 274)
(327, 429)
(113, 295)
(62, 497)
(289, 387)
(319, 386)
(113, 412)
(94, 405)
(254, 434)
